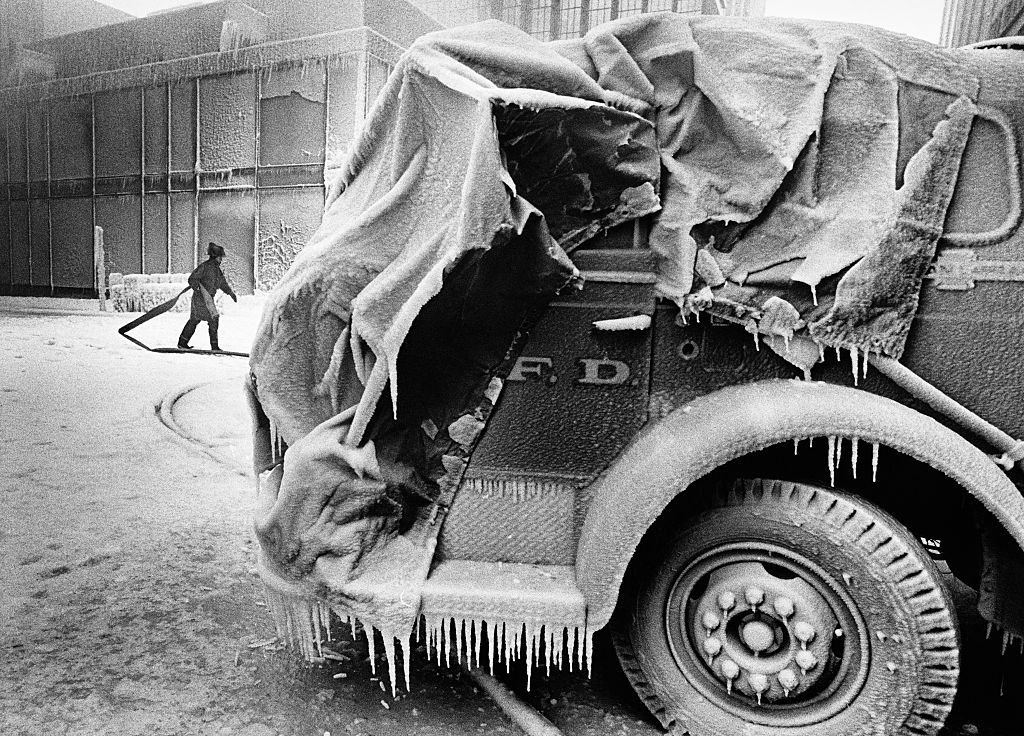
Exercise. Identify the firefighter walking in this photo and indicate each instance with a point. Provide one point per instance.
(205, 281)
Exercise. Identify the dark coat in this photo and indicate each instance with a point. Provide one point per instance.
(205, 281)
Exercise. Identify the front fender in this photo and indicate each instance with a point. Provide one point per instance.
(670, 455)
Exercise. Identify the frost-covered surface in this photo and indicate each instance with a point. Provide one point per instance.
(770, 154)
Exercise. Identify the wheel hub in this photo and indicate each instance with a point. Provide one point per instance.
(764, 633)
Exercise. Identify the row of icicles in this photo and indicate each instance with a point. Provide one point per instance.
(834, 454)
(306, 625)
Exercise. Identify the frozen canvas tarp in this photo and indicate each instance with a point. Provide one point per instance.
(787, 194)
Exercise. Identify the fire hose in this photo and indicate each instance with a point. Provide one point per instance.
(156, 312)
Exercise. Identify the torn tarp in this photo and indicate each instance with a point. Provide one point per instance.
(772, 154)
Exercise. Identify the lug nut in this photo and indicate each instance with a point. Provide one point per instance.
(758, 683)
(711, 621)
(804, 633)
(788, 680)
(726, 601)
(784, 606)
(806, 660)
(730, 670)
(712, 647)
(754, 596)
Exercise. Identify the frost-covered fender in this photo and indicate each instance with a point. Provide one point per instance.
(671, 454)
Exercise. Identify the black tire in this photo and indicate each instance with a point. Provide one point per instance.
(889, 667)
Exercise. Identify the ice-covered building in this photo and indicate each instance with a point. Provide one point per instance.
(214, 122)
(557, 19)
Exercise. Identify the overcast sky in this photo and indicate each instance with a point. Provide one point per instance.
(921, 18)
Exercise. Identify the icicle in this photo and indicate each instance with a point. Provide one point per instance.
(549, 644)
(446, 632)
(588, 647)
(317, 633)
(531, 638)
(352, 624)
(821, 352)
(476, 641)
(389, 654)
(371, 645)
(757, 341)
(814, 294)
(492, 647)
(839, 353)
(839, 451)
(853, 365)
(458, 639)
(831, 451)
(853, 455)
(796, 445)
(874, 462)
(506, 640)
(407, 663)
(867, 353)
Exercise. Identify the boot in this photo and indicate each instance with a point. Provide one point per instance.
(214, 344)
(186, 334)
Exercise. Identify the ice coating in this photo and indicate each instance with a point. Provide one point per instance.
(440, 179)
(854, 444)
(831, 452)
(451, 641)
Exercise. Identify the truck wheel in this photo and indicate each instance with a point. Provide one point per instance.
(802, 610)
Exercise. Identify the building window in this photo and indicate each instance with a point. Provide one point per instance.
(570, 18)
(540, 19)
(631, 7)
(600, 12)
(512, 12)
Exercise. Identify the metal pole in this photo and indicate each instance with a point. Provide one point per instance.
(529, 719)
(10, 215)
(195, 203)
(92, 174)
(28, 191)
(99, 259)
(167, 199)
(255, 185)
(49, 212)
(142, 179)
(327, 119)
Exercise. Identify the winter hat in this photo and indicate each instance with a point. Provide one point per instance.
(214, 251)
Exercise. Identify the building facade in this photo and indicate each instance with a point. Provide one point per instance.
(549, 20)
(969, 21)
(219, 123)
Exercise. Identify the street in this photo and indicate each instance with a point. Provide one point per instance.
(129, 602)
